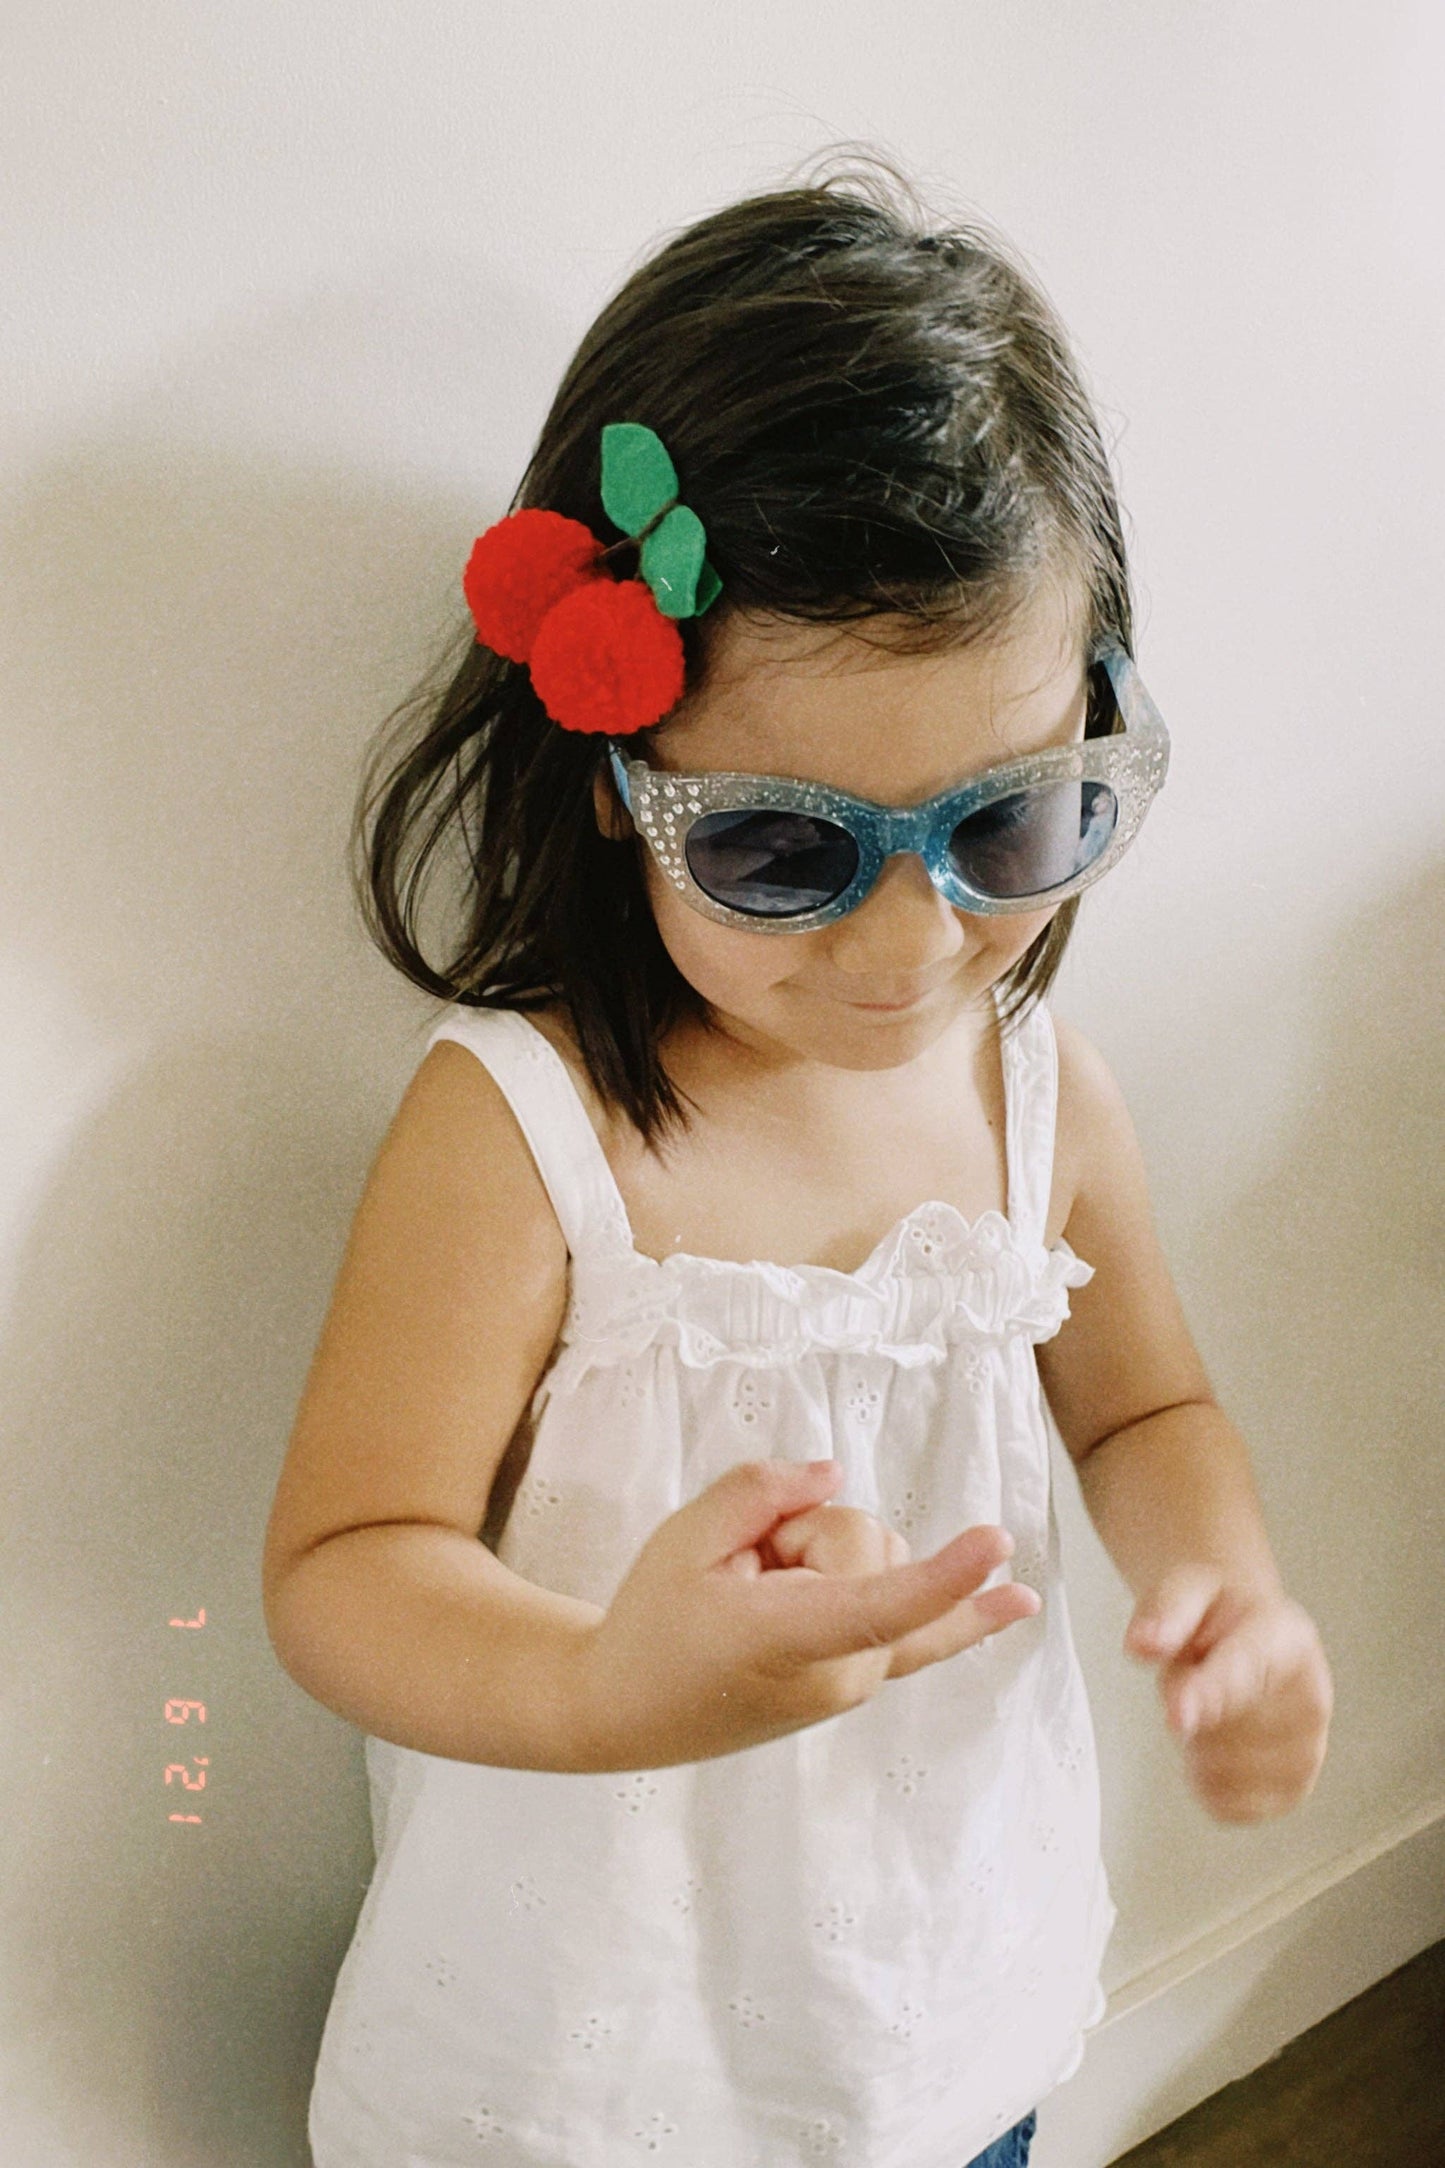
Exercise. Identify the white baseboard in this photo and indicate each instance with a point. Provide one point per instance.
(1227, 2003)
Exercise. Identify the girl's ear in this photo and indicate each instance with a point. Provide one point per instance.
(613, 819)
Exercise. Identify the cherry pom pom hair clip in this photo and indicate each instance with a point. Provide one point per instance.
(604, 654)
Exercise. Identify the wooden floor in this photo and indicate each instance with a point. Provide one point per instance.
(1365, 2089)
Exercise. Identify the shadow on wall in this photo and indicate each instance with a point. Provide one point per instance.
(1316, 1294)
(1316, 1297)
(1336, 1262)
(203, 639)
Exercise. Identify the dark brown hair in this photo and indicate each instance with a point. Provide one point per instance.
(874, 417)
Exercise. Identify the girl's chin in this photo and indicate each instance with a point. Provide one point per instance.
(854, 1037)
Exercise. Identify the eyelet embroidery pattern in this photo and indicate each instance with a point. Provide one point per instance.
(1069, 1755)
(628, 1390)
(442, 1970)
(746, 2011)
(974, 1364)
(909, 2018)
(681, 1899)
(637, 1791)
(906, 1775)
(820, 2137)
(925, 1241)
(863, 1402)
(835, 1920)
(536, 1495)
(593, 2032)
(485, 2125)
(526, 1896)
(750, 1399)
(913, 1510)
(655, 2130)
(981, 1881)
(1028, 1563)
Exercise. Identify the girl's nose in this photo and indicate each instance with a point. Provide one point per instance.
(902, 924)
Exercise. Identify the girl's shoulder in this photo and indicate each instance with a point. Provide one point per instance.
(1093, 1122)
(611, 1128)
(553, 1025)
(621, 1145)
(607, 1124)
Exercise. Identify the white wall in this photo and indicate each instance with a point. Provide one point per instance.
(288, 291)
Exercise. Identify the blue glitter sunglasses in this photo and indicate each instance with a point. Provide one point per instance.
(779, 856)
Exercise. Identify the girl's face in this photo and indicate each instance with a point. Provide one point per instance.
(875, 988)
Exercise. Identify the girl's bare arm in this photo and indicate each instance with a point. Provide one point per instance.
(1164, 1474)
(379, 1599)
(1242, 1675)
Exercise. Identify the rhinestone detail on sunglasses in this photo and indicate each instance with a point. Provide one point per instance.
(1127, 767)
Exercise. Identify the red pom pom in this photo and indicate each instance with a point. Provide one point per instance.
(605, 658)
(519, 569)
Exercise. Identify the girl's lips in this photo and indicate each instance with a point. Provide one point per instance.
(889, 1008)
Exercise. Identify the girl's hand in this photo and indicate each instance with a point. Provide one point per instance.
(831, 1539)
(705, 1649)
(1245, 1683)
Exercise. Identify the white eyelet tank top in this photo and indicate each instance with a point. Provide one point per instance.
(874, 1942)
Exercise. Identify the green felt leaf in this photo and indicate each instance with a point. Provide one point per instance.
(709, 587)
(672, 559)
(638, 478)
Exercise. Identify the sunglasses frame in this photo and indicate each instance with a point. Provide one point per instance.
(1132, 760)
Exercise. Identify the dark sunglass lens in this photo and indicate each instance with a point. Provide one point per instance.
(773, 864)
(1034, 840)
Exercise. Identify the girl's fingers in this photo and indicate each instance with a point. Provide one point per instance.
(740, 1509)
(841, 1616)
(806, 1531)
(1009, 1600)
(993, 1609)
(838, 1539)
(1273, 1662)
(1167, 1622)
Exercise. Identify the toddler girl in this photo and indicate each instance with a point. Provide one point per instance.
(669, 1501)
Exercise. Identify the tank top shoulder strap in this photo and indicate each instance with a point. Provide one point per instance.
(533, 1079)
(1031, 1097)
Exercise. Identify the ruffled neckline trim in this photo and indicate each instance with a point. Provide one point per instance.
(934, 1278)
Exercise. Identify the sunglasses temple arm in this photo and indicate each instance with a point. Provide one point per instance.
(619, 776)
(1136, 709)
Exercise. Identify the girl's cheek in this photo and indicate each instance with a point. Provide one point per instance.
(1010, 935)
(718, 961)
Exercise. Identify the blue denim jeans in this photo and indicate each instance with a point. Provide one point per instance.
(1012, 2149)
